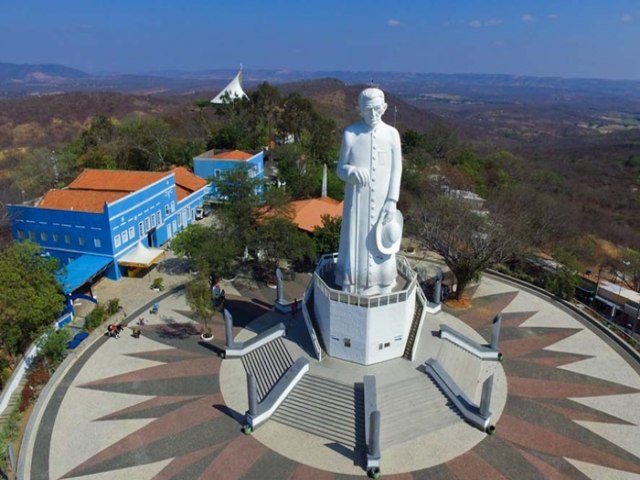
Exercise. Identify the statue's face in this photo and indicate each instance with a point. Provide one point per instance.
(372, 110)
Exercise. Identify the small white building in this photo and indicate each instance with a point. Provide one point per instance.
(232, 91)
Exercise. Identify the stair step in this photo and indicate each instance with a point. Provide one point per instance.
(325, 408)
(342, 416)
(326, 393)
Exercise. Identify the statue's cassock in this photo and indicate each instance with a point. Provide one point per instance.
(372, 147)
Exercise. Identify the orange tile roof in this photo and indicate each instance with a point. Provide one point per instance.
(182, 193)
(115, 180)
(233, 155)
(187, 180)
(93, 188)
(307, 214)
(79, 200)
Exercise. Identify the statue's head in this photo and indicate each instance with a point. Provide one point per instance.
(371, 106)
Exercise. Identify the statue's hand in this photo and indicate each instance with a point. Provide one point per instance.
(388, 211)
(359, 176)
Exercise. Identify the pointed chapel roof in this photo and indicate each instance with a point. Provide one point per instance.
(234, 89)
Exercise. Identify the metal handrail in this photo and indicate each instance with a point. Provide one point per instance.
(327, 262)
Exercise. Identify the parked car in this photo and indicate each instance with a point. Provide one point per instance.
(202, 212)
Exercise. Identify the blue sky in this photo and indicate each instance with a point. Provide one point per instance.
(569, 38)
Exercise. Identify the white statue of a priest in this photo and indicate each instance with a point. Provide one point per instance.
(371, 165)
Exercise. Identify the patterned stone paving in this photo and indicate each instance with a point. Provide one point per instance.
(169, 420)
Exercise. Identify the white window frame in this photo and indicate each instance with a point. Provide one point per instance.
(44, 237)
(67, 238)
(81, 241)
(147, 225)
(116, 240)
(158, 218)
(132, 233)
(141, 229)
(55, 236)
(97, 242)
(125, 236)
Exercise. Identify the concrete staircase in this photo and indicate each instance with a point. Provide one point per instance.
(325, 408)
(14, 401)
(415, 324)
(412, 408)
(463, 367)
(267, 364)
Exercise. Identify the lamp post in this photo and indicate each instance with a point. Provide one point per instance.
(595, 293)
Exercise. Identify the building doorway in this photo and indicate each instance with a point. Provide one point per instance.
(152, 238)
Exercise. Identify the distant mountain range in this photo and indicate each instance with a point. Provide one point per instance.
(22, 80)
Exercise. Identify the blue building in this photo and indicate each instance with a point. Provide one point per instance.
(109, 221)
(214, 164)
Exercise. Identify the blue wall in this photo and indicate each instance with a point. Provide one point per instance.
(66, 234)
(209, 168)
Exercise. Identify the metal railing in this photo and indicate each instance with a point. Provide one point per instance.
(327, 265)
(307, 321)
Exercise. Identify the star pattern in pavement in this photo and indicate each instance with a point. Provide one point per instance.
(539, 435)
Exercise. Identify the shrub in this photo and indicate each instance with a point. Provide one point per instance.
(95, 318)
(5, 370)
(5, 374)
(8, 433)
(37, 377)
(26, 397)
(562, 282)
(53, 344)
(158, 283)
(113, 306)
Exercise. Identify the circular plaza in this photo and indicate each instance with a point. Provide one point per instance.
(166, 406)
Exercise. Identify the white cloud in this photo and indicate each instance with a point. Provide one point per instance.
(626, 18)
(392, 22)
(492, 22)
(553, 16)
(528, 18)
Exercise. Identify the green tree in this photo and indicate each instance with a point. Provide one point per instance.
(323, 142)
(52, 344)
(198, 296)
(30, 296)
(264, 112)
(564, 279)
(301, 174)
(242, 195)
(327, 237)
(297, 115)
(208, 248)
(144, 144)
(279, 239)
